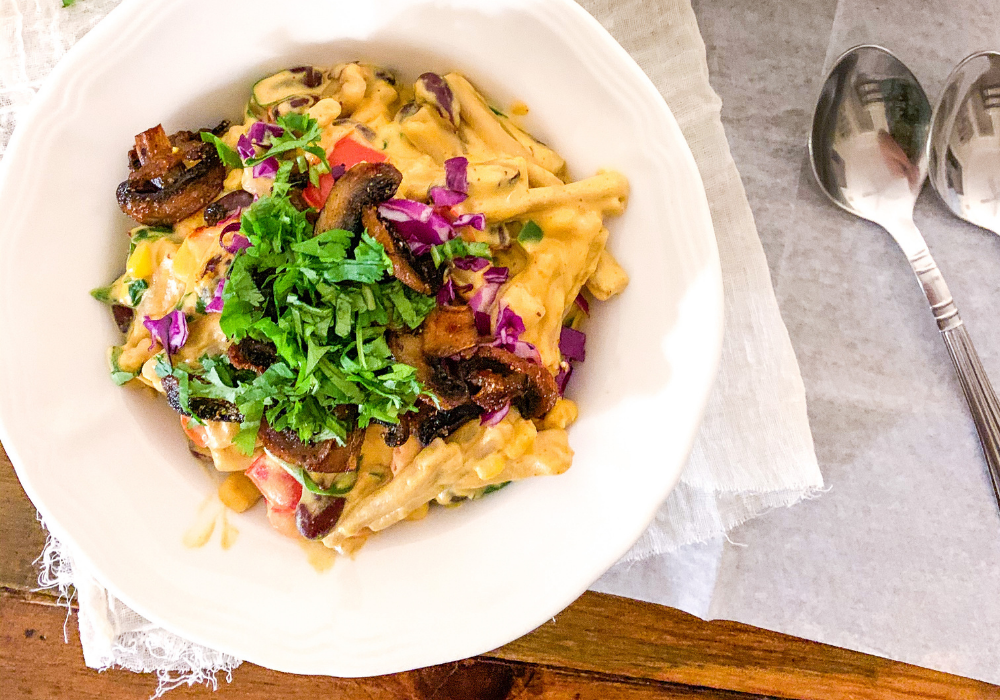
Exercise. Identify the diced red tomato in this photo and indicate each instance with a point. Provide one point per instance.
(196, 433)
(279, 488)
(283, 520)
(346, 152)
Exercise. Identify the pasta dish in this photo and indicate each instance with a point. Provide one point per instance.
(365, 299)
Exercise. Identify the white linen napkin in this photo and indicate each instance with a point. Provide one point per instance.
(754, 451)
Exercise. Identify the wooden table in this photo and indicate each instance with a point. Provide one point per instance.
(600, 648)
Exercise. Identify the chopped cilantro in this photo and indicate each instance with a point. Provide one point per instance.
(326, 302)
(497, 112)
(530, 233)
(136, 288)
(118, 375)
(68, 3)
(458, 248)
(147, 233)
(495, 487)
(229, 157)
(301, 132)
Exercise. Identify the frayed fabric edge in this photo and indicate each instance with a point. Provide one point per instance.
(174, 660)
(793, 498)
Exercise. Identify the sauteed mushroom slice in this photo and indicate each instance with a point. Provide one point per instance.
(499, 376)
(326, 456)
(399, 254)
(444, 423)
(170, 178)
(364, 185)
(254, 354)
(202, 408)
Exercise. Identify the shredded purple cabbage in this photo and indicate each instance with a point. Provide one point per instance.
(470, 262)
(259, 131)
(482, 321)
(496, 275)
(491, 418)
(444, 197)
(442, 94)
(419, 225)
(266, 168)
(456, 174)
(446, 294)
(573, 344)
(215, 306)
(476, 221)
(562, 379)
(171, 331)
(238, 242)
(507, 335)
(244, 146)
(582, 302)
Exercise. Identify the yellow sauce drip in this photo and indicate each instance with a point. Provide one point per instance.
(320, 558)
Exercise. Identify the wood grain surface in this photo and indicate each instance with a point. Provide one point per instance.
(601, 647)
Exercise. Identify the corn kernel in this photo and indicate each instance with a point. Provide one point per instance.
(238, 492)
(562, 415)
(522, 440)
(489, 467)
(233, 180)
(420, 512)
(140, 263)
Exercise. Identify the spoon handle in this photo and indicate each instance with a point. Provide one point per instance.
(975, 384)
(979, 393)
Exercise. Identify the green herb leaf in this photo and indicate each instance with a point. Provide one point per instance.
(530, 233)
(458, 248)
(301, 132)
(118, 375)
(229, 157)
(341, 486)
(102, 294)
(136, 289)
(326, 302)
(147, 233)
(495, 487)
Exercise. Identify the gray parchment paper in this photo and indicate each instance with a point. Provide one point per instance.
(901, 558)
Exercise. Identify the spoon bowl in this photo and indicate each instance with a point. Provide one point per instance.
(965, 141)
(868, 141)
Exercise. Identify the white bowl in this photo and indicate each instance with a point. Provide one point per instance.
(109, 469)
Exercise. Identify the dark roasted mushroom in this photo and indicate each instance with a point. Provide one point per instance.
(254, 354)
(326, 456)
(437, 374)
(170, 178)
(444, 423)
(500, 376)
(399, 254)
(201, 408)
(395, 434)
(448, 330)
(364, 185)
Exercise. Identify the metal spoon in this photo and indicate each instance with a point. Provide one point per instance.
(965, 141)
(869, 152)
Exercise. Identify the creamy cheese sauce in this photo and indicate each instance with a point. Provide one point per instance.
(513, 179)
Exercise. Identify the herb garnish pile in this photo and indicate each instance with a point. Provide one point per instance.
(326, 302)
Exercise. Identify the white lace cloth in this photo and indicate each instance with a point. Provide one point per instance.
(754, 451)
